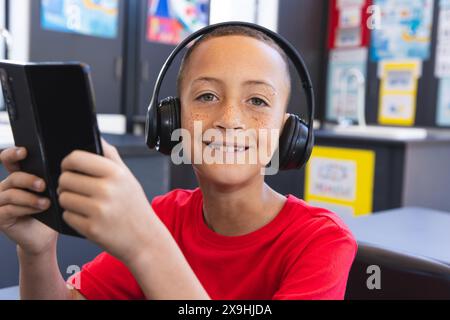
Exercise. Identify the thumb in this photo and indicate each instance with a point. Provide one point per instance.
(110, 152)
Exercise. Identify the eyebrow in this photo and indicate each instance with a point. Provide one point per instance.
(246, 83)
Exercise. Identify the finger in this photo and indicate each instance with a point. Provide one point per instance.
(14, 212)
(23, 180)
(23, 198)
(88, 163)
(10, 158)
(111, 152)
(78, 222)
(78, 203)
(78, 183)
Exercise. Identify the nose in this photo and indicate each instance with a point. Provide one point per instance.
(230, 117)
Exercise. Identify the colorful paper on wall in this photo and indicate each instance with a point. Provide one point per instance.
(443, 41)
(350, 15)
(171, 21)
(98, 18)
(347, 24)
(405, 33)
(346, 91)
(443, 107)
(442, 71)
(398, 91)
(341, 180)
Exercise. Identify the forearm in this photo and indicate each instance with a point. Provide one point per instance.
(163, 272)
(40, 278)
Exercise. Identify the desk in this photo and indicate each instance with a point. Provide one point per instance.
(11, 293)
(417, 231)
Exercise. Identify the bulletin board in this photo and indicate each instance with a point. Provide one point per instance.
(348, 41)
(416, 32)
(442, 70)
(402, 94)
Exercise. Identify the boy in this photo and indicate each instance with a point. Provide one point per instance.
(233, 238)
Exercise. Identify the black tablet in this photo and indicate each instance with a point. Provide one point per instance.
(52, 113)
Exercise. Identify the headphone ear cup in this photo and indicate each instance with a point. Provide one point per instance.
(285, 145)
(293, 144)
(302, 147)
(169, 119)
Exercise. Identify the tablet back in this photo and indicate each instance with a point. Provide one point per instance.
(52, 113)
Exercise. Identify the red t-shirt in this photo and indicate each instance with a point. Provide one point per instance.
(303, 253)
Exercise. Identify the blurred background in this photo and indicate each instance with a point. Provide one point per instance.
(381, 74)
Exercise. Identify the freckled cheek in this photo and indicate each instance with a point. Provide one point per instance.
(195, 123)
(264, 122)
(261, 122)
(268, 132)
(189, 118)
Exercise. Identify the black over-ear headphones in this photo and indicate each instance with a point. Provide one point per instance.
(297, 138)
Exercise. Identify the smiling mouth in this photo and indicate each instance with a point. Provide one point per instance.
(226, 148)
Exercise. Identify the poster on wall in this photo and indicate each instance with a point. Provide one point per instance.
(405, 33)
(443, 107)
(97, 18)
(442, 70)
(348, 27)
(398, 91)
(171, 21)
(443, 41)
(341, 180)
(346, 90)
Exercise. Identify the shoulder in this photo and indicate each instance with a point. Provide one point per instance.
(174, 204)
(318, 226)
(315, 216)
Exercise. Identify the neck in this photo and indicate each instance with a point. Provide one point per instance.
(239, 210)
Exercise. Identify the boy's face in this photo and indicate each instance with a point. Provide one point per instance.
(240, 86)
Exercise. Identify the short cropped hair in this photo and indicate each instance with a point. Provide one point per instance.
(231, 31)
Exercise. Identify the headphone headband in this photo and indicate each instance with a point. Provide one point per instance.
(291, 52)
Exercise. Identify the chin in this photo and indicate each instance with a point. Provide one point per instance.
(228, 175)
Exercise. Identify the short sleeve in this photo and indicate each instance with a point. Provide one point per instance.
(321, 271)
(168, 206)
(106, 278)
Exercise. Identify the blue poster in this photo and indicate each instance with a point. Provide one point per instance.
(98, 18)
(405, 30)
(171, 21)
(443, 107)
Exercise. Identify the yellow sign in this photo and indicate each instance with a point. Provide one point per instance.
(341, 180)
(398, 92)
